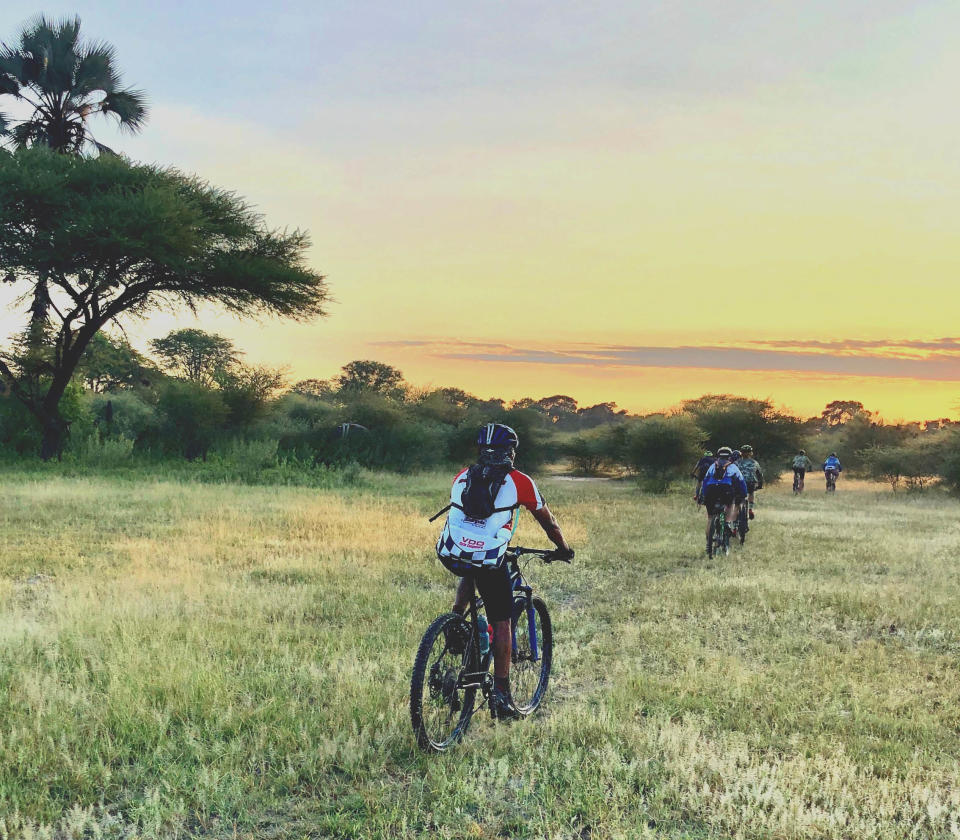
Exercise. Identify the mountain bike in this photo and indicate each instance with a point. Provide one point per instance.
(719, 542)
(831, 476)
(798, 481)
(449, 668)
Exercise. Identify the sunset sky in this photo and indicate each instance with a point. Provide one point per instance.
(631, 201)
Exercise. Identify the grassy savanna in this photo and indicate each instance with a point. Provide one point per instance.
(191, 659)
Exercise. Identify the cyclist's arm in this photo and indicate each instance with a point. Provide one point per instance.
(551, 527)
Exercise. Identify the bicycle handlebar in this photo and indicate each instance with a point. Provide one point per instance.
(547, 555)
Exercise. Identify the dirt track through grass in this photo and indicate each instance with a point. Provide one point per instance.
(183, 659)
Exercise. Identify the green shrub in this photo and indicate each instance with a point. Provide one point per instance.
(589, 454)
(192, 415)
(661, 448)
(124, 414)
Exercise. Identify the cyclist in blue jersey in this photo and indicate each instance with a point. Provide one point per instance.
(723, 486)
(832, 470)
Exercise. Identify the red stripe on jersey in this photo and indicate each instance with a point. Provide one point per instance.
(527, 493)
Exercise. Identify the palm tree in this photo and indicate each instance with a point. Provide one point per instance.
(64, 81)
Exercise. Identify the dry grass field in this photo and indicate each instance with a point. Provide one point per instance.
(181, 659)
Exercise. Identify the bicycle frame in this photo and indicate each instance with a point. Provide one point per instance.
(478, 679)
(517, 585)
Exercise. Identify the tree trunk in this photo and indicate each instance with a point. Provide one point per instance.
(54, 437)
(55, 428)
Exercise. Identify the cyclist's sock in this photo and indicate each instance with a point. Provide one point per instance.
(502, 684)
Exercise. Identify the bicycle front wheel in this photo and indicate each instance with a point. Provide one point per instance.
(532, 653)
(443, 688)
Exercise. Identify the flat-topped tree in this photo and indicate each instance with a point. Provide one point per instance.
(111, 238)
(195, 355)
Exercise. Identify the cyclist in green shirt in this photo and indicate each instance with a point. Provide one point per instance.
(801, 463)
(752, 474)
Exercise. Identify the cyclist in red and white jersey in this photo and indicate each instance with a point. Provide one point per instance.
(485, 503)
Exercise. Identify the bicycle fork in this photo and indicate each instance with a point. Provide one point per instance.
(531, 622)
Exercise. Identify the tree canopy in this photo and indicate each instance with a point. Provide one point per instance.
(365, 375)
(110, 238)
(195, 355)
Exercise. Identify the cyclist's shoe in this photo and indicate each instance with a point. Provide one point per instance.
(502, 707)
(456, 637)
(751, 513)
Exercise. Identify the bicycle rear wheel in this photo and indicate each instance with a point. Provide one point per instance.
(532, 654)
(719, 543)
(441, 703)
(743, 524)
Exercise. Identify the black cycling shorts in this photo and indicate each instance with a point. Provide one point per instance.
(718, 496)
(494, 585)
(751, 486)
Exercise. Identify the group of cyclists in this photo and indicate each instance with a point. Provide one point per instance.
(727, 480)
(730, 479)
(484, 511)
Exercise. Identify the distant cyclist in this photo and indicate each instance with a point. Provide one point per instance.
(831, 471)
(485, 504)
(723, 487)
(700, 470)
(752, 474)
(801, 463)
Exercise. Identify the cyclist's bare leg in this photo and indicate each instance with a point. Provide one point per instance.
(502, 648)
(464, 594)
(733, 513)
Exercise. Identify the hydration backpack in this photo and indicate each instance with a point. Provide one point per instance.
(483, 483)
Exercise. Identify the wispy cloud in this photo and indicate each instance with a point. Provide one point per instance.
(926, 359)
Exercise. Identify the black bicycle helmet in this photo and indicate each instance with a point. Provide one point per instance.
(498, 445)
(497, 434)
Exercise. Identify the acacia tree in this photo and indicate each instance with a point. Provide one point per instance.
(366, 376)
(195, 355)
(840, 412)
(111, 238)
